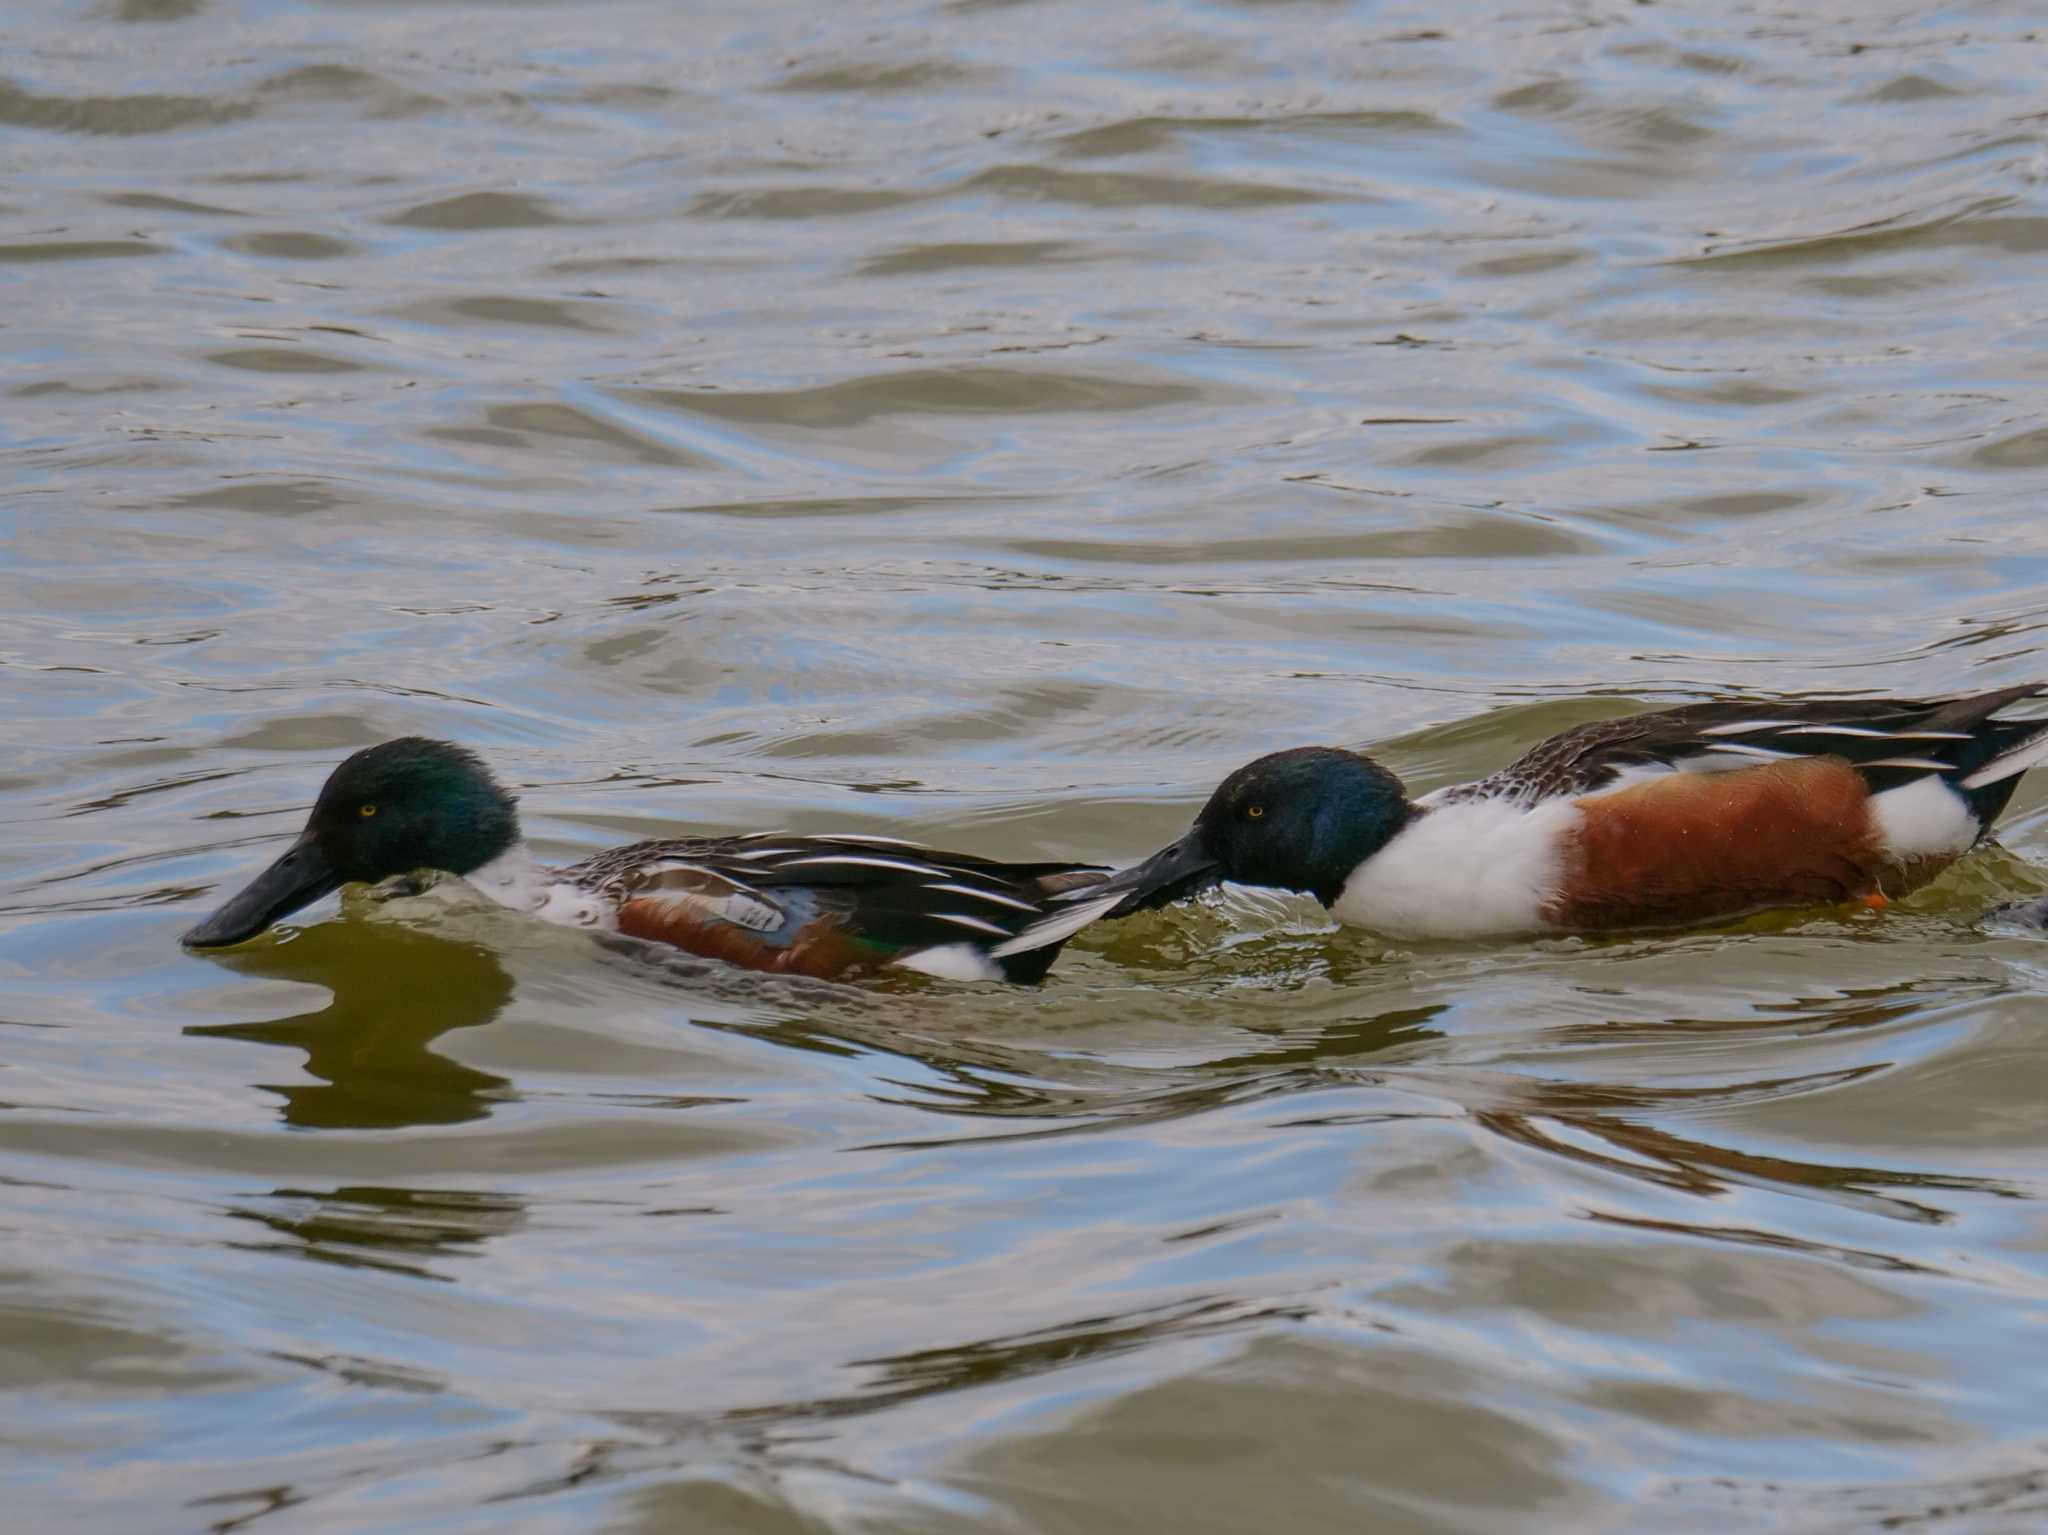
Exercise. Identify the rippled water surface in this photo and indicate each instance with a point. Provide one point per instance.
(989, 423)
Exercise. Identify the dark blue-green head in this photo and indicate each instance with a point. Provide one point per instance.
(392, 809)
(1298, 820)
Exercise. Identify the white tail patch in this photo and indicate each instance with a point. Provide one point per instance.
(2007, 764)
(1059, 926)
(951, 962)
(1924, 819)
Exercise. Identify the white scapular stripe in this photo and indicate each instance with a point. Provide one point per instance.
(1746, 727)
(991, 896)
(1869, 733)
(857, 861)
(1761, 753)
(1622, 775)
(1059, 926)
(1912, 762)
(961, 919)
(2006, 764)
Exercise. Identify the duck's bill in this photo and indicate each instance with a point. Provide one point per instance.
(300, 877)
(1171, 874)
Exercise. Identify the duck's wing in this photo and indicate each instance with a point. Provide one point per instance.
(1890, 741)
(833, 905)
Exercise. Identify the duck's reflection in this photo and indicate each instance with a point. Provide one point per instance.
(395, 991)
(395, 1229)
(757, 1446)
(1609, 1128)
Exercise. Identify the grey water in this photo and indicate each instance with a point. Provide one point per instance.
(989, 423)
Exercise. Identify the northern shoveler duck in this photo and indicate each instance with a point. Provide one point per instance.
(818, 906)
(1660, 820)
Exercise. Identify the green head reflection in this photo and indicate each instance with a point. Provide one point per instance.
(394, 992)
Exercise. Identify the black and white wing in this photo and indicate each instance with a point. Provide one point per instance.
(897, 901)
(1890, 741)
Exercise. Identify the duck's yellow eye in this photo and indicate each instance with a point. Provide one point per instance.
(366, 811)
(1253, 812)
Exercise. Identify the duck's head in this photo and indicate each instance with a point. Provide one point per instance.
(1297, 820)
(408, 804)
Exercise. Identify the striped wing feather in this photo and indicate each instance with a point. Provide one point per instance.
(1890, 741)
(769, 893)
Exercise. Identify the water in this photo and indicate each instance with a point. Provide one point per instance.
(989, 424)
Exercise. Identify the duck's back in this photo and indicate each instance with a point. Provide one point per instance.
(1704, 812)
(830, 906)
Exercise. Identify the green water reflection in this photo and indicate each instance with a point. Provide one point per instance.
(394, 992)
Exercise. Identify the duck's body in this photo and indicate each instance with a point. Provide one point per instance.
(833, 907)
(830, 907)
(1659, 820)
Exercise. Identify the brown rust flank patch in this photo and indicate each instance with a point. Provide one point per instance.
(822, 949)
(1694, 846)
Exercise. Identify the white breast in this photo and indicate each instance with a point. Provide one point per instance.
(1464, 870)
(517, 880)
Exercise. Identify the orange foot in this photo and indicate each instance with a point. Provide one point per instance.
(1877, 900)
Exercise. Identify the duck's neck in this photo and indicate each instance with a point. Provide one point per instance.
(514, 878)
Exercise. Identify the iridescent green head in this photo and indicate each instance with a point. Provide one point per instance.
(391, 809)
(1296, 820)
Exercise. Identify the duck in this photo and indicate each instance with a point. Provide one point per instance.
(1668, 819)
(829, 907)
